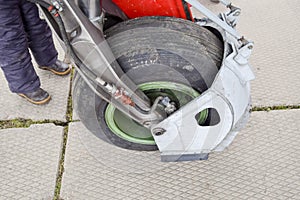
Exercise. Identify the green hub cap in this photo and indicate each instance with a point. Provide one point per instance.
(129, 130)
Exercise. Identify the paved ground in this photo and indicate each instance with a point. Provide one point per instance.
(262, 163)
(29, 161)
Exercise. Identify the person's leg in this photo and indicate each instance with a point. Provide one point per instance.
(15, 59)
(39, 35)
(40, 40)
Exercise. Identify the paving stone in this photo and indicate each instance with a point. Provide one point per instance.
(29, 161)
(274, 26)
(276, 52)
(13, 106)
(262, 162)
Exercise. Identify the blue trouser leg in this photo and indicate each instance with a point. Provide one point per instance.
(39, 35)
(19, 22)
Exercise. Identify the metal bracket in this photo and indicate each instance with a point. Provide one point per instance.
(238, 63)
(184, 136)
(244, 54)
(233, 15)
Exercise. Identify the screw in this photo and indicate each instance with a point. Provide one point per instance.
(158, 131)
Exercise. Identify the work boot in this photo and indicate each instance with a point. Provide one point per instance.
(37, 97)
(59, 68)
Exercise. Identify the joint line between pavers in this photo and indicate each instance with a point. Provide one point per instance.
(60, 170)
(278, 107)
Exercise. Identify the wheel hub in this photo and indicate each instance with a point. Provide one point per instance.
(126, 128)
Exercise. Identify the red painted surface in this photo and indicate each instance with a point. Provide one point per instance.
(139, 8)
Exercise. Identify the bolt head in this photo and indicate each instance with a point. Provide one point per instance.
(159, 131)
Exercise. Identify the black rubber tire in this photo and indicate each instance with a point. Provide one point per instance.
(175, 50)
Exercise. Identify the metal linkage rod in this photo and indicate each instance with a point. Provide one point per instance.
(214, 18)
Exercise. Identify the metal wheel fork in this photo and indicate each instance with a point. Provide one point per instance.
(180, 137)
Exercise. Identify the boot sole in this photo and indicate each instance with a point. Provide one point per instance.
(36, 102)
(56, 72)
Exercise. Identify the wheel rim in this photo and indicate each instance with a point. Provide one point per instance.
(129, 130)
